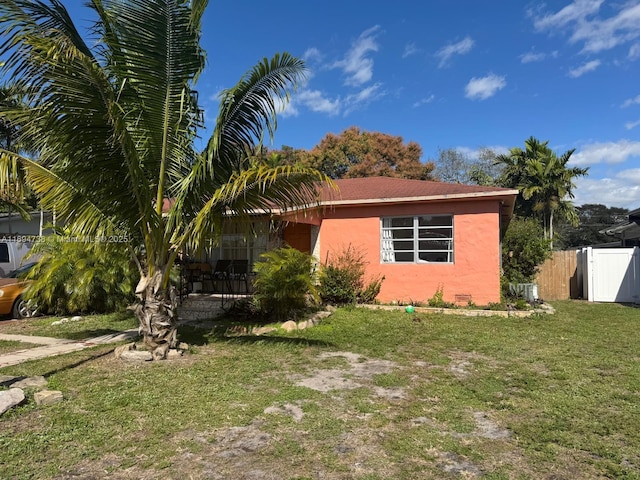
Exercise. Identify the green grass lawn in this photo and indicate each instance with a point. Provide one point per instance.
(89, 326)
(365, 395)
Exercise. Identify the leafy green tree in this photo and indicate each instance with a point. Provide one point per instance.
(115, 124)
(545, 181)
(592, 218)
(524, 249)
(455, 166)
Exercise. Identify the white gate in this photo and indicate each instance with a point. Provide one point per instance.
(610, 274)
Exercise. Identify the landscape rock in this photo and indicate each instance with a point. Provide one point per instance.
(124, 348)
(330, 308)
(289, 326)
(75, 319)
(173, 353)
(10, 398)
(183, 346)
(304, 324)
(160, 353)
(263, 330)
(6, 380)
(30, 382)
(136, 356)
(48, 397)
(60, 322)
(317, 318)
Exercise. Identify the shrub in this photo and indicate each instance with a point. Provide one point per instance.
(81, 277)
(342, 279)
(284, 283)
(524, 248)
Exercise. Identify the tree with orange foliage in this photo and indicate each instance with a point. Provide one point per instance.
(358, 153)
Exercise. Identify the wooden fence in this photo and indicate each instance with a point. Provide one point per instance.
(558, 277)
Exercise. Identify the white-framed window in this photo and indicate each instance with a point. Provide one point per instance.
(417, 239)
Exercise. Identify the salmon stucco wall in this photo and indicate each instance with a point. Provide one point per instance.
(474, 275)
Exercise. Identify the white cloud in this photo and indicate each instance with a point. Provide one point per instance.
(424, 101)
(463, 47)
(484, 87)
(532, 57)
(634, 51)
(631, 101)
(356, 64)
(285, 109)
(312, 55)
(596, 34)
(578, 10)
(623, 190)
(632, 125)
(582, 69)
(606, 152)
(363, 97)
(410, 49)
(315, 101)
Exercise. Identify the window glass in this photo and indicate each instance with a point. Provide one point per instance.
(4, 253)
(424, 238)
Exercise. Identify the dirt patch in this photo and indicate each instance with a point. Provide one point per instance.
(358, 372)
(288, 409)
(462, 363)
(486, 428)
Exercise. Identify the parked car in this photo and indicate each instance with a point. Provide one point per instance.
(11, 289)
(11, 254)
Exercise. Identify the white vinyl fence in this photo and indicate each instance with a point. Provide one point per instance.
(610, 274)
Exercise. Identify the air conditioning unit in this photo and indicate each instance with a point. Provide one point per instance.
(528, 291)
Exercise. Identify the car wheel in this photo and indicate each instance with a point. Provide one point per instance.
(24, 308)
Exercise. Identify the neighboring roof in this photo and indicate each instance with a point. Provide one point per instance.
(630, 229)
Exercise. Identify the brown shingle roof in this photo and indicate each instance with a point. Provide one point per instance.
(385, 189)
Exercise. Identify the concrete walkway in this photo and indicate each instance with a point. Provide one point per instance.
(57, 346)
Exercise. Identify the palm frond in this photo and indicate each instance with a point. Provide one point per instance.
(250, 107)
(258, 190)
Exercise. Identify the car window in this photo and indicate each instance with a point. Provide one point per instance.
(4, 253)
(22, 271)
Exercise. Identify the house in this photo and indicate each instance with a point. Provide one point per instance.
(12, 224)
(628, 232)
(421, 236)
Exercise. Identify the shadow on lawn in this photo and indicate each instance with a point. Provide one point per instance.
(232, 333)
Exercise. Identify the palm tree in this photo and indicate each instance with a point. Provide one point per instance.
(115, 126)
(545, 181)
(12, 192)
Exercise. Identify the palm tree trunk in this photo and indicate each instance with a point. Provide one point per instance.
(156, 311)
(551, 227)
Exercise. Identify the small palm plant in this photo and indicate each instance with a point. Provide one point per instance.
(73, 276)
(285, 283)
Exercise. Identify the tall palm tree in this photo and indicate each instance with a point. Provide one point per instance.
(12, 193)
(115, 126)
(545, 181)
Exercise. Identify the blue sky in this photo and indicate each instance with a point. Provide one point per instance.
(449, 74)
